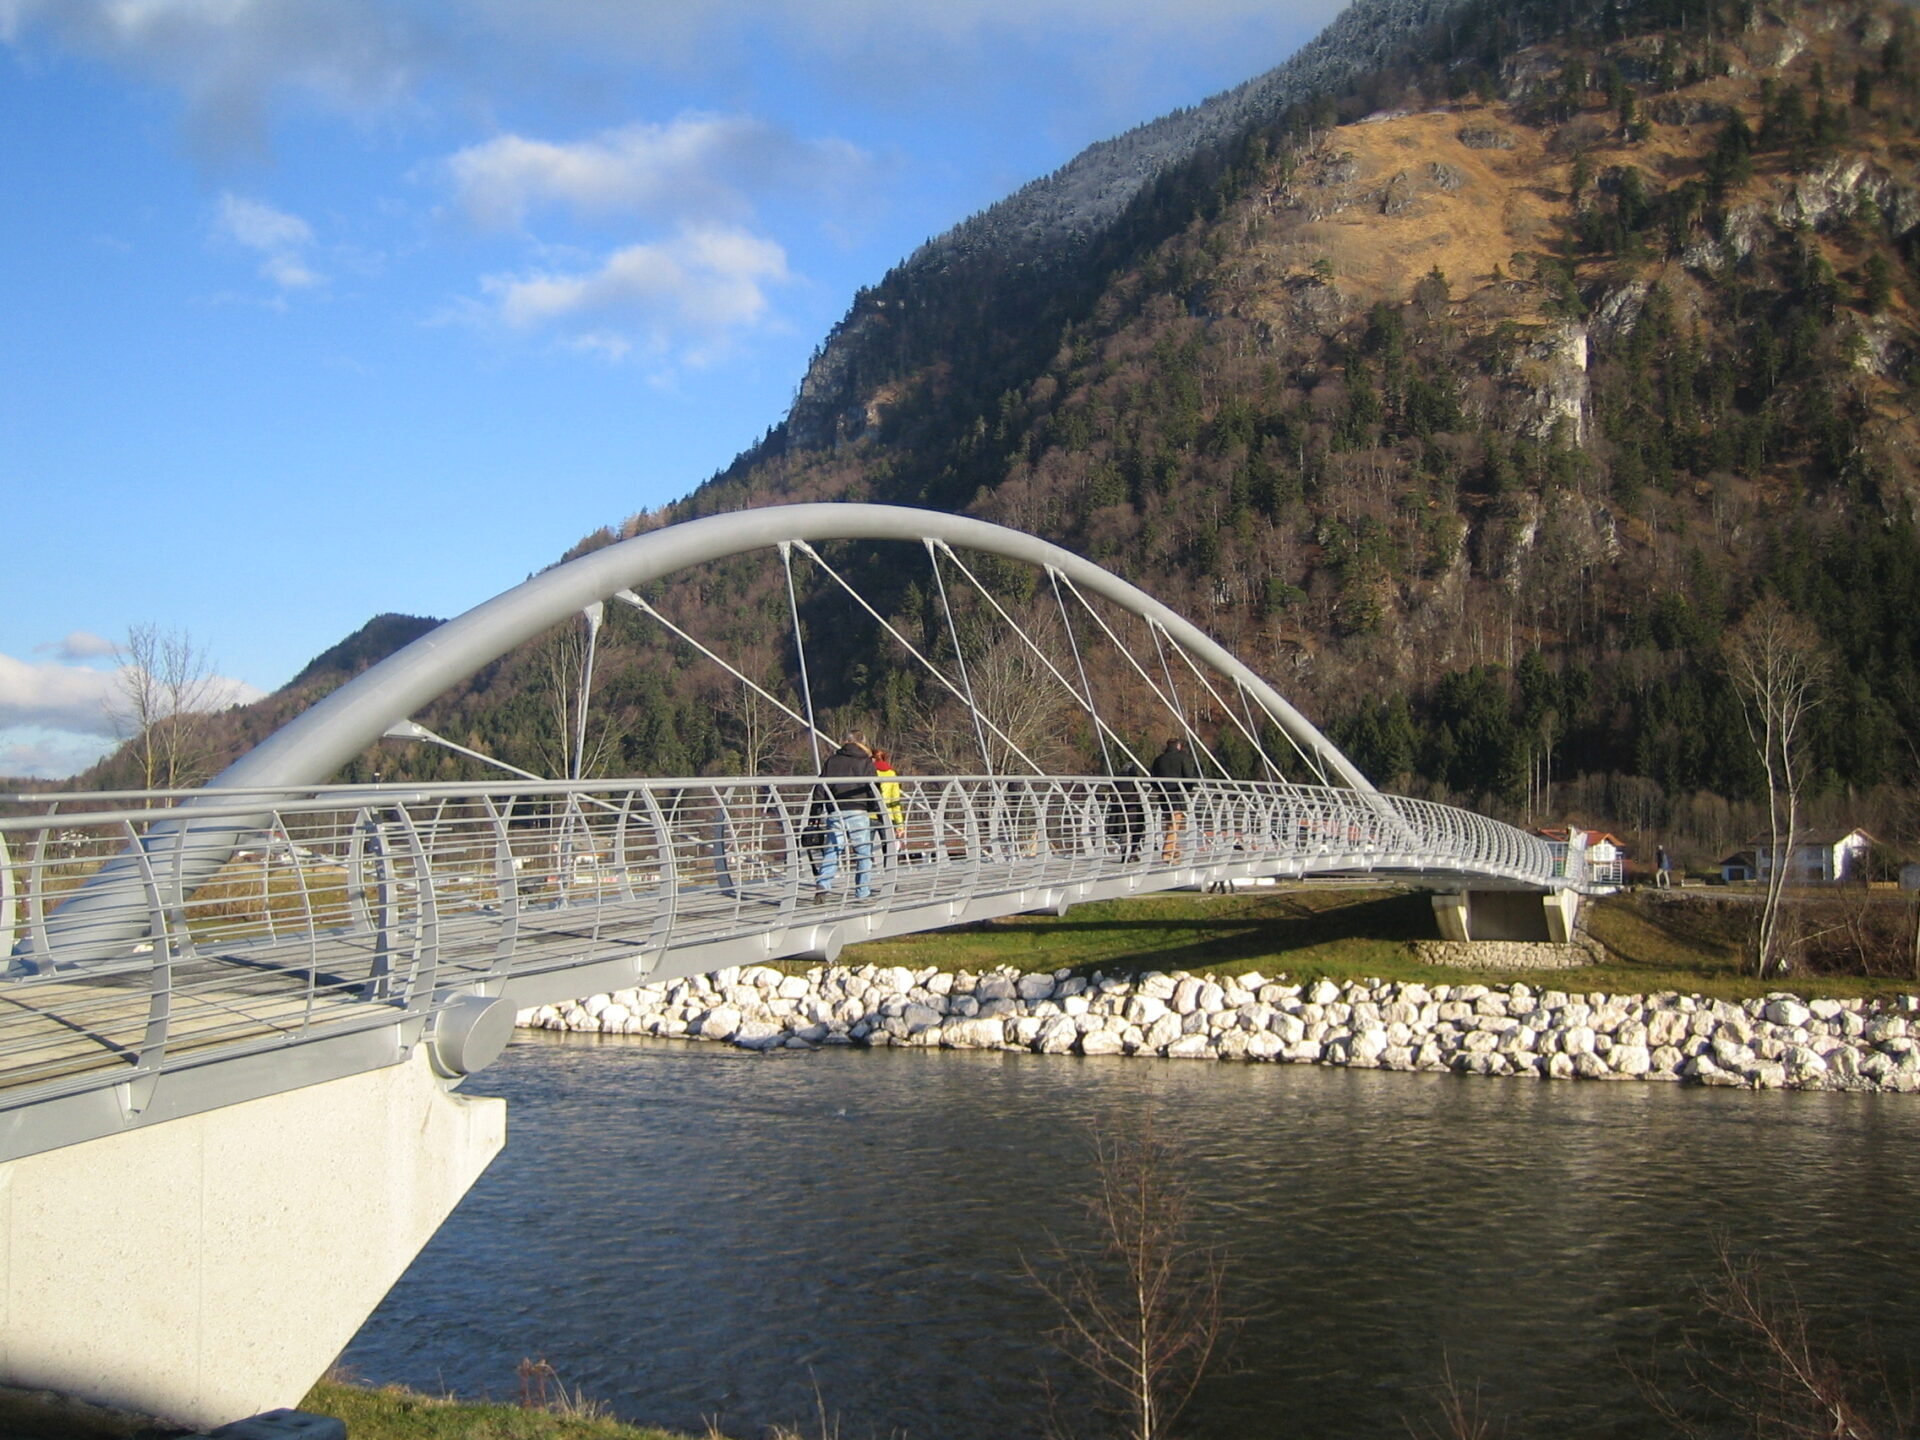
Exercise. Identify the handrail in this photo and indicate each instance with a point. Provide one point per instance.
(334, 910)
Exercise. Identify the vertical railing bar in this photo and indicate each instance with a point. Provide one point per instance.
(669, 872)
(305, 892)
(618, 857)
(37, 888)
(506, 882)
(379, 908)
(423, 971)
(266, 883)
(9, 898)
(153, 1042)
(360, 916)
(976, 839)
(792, 851)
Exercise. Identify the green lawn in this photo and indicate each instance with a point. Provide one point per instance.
(1313, 930)
(1344, 933)
(392, 1413)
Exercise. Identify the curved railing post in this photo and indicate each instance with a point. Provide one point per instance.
(423, 959)
(166, 920)
(9, 898)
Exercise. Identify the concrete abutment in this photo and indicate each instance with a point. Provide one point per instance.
(211, 1268)
(1507, 915)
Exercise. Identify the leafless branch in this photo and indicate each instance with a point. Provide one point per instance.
(1141, 1303)
(1765, 1365)
(164, 691)
(1775, 661)
(1460, 1417)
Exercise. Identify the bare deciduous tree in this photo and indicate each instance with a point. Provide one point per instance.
(1776, 664)
(575, 743)
(163, 692)
(752, 724)
(1462, 1415)
(1031, 714)
(1776, 1375)
(1141, 1301)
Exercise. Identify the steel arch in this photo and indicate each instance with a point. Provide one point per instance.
(316, 743)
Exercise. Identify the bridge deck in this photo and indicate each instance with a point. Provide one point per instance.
(302, 937)
(74, 1030)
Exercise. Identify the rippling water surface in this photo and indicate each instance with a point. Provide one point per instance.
(694, 1233)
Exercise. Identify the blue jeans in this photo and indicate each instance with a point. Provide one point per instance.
(848, 829)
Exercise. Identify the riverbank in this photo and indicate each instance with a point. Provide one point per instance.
(387, 1412)
(1777, 1041)
(1644, 943)
(391, 1412)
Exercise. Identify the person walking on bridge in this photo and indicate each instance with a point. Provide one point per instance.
(1173, 767)
(1126, 812)
(896, 812)
(849, 810)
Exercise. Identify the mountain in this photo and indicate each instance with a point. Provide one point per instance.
(1470, 375)
(368, 645)
(1046, 225)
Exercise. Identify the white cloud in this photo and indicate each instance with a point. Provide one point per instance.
(259, 226)
(78, 699)
(289, 272)
(37, 754)
(234, 60)
(81, 645)
(279, 238)
(695, 167)
(605, 344)
(688, 295)
(60, 697)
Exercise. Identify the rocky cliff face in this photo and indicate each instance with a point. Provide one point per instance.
(1068, 208)
(1060, 215)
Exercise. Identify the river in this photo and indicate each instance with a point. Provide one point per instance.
(691, 1233)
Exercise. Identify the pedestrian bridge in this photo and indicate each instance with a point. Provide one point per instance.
(266, 990)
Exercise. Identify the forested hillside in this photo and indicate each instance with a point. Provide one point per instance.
(1471, 403)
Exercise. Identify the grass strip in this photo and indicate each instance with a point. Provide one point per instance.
(390, 1412)
(1354, 932)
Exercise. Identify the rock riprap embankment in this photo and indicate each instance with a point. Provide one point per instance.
(1777, 1042)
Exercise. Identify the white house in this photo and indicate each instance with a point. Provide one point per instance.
(1822, 858)
(1606, 856)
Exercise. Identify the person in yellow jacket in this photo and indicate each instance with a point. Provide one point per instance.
(890, 797)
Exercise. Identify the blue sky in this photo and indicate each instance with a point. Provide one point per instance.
(323, 308)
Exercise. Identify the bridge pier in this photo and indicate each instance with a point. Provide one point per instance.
(1507, 915)
(211, 1267)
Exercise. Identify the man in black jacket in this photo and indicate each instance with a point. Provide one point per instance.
(1171, 767)
(848, 809)
(1127, 812)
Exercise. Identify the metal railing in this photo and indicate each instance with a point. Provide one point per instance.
(152, 934)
